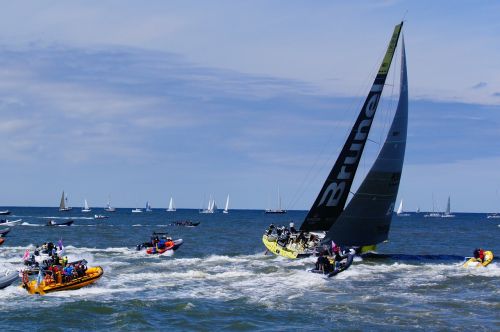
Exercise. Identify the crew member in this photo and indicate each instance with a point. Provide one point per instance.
(484, 257)
(323, 263)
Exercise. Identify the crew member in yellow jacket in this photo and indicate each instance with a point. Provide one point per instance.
(483, 257)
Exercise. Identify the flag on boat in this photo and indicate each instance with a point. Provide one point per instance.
(335, 247)
(26, 255)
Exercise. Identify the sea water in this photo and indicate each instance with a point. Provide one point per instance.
(220, 278)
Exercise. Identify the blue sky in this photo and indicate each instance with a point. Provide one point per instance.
(190, 99)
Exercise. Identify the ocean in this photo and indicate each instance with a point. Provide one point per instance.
(220, 279)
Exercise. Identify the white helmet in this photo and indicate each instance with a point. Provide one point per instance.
(292, 225)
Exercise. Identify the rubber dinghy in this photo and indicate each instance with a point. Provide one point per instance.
(60, 223)
(168, 245)
(8, 278)
(48, 281)
(159, 245)
(5, 222)
(4, 232)
(335, 268)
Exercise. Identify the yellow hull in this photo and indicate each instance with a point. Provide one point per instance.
(288, 252)
(366, 249)
(298, 252)
(477, 263)
(91, 276)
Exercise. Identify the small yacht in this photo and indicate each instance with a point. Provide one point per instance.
(171, 206)
(86, 206)
(226, 208)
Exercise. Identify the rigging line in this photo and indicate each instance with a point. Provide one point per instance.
(367, 82)
(327, 161)
(305, 184)
(386, 111)
(390, 104)
(369, 139)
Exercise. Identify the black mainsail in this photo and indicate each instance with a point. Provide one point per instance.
(367, 218)
(333, 196)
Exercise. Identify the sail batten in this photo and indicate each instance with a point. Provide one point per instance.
(332, 198)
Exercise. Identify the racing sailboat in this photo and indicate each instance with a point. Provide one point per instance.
(447, 213)
(212, 206)
(63, 204)
(401, 212)
(171, 206)
(108, 207)
(86, 207)
(366, 220)
(226, 208)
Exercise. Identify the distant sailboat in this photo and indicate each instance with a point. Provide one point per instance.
(148, 207)
(495, 215)
(63, 204)
(212, 206)
(418, 210)
(279, 210)
(171, 206)
(226, 208)
(400, 212)
(137, 210)
(447, 213)
(108, 207)
(86, 206)
(433, 214)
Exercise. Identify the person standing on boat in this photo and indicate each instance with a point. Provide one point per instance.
(484, 257)
(292, 228)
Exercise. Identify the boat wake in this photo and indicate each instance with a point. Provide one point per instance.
(270, 281)
(421, 258)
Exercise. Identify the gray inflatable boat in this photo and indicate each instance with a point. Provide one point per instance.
(7, 278)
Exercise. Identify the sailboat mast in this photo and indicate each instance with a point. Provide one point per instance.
(279, 199)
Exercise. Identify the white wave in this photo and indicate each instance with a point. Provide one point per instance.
(66, 218)
(28, 224)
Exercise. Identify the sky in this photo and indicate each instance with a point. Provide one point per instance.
(141, 101)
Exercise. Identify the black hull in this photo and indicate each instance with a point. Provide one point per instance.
(66, 223)
(185, 224)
